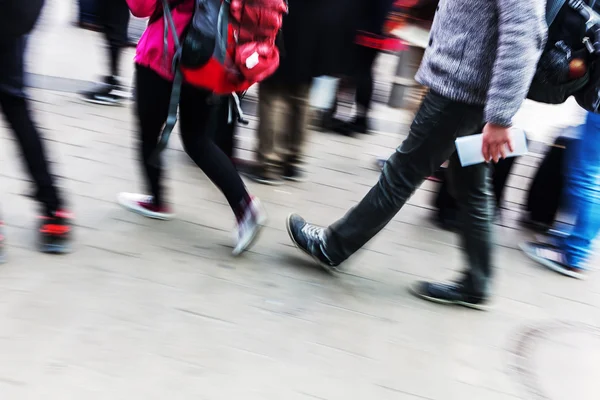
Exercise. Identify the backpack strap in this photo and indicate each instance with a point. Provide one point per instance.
(552, 9)
(222, 31)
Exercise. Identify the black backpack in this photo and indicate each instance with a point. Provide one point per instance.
(571, 38)
(18, 17)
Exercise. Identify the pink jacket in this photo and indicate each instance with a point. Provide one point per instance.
(150, 48)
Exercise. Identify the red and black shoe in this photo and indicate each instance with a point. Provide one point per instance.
(55, 233)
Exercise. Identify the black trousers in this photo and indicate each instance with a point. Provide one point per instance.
(364, 62)
(114, 17)
(15, 107)
(16, 111)
(430, 142)
(152, 103)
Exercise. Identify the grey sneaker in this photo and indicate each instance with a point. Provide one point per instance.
(551, 257)
(310, 239)
(249, 226)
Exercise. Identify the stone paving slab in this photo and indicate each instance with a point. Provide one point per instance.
(146, 310)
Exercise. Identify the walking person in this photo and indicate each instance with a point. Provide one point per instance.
(154, 80)
(478, 68)
(370, 40)
(113, 16)
(568, 252)
(54, 231)
(283, 97)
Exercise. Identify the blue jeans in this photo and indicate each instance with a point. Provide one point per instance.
(583, 192)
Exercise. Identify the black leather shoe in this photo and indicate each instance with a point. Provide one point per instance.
(449, 294)
(309, 239)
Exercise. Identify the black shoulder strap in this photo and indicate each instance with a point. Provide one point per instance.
(158, 13)
(552, 9)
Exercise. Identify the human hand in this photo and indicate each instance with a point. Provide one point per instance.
(495, 139)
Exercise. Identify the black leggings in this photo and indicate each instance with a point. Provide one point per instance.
(15, 109)
(152, 102)
(114, 16)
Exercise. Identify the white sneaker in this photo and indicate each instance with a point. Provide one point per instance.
(143, 205)
(249, 226)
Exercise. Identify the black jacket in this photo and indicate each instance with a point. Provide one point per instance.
(317, 39)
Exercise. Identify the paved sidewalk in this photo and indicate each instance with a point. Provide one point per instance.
(155, 310)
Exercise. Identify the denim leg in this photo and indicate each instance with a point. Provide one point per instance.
(430, 142)
(583, 192)
(471, 187)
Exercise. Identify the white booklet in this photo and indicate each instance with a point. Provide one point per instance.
(469, 147)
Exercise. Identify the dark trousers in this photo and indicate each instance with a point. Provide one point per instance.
(283, 113)
(15, 107)
(430, 142)
(17, 114)
(365, 59)
(114, 17)
(152, 103)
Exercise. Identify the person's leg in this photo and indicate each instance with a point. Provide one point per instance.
(364, 84)
(18, 116)
(295, 130)
(198, 144)
(583, 191)
(54, 229)
(115, 17)
(471, 187)
(268, 163)
(194, 112)
(223, 131)
(430, 142)
(151, 107)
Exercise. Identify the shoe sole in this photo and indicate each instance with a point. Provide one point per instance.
(479, 307)
(328, 268)
(145, 213)
(550, 265)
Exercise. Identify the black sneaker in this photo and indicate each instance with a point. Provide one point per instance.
(2, 254)
(293, 173)
(448, 294)
(262, 175)
(360, 125)
(106, 93)
(338, 126)
(55, 233)
(309, 239)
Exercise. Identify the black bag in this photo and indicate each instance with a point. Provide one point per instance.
(545, 193)
(18, 17)
(567, 34)
(447, 208)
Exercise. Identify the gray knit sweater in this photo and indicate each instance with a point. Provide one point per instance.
(485, 52)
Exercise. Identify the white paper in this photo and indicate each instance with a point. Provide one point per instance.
(469, 147)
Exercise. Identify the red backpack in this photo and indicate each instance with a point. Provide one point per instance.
(228, 46)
